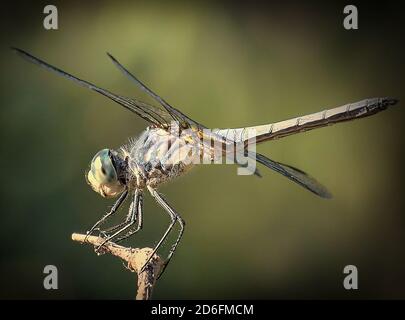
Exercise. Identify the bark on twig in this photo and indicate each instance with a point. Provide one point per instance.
(135, 258)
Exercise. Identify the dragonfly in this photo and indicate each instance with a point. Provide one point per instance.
(159, 154)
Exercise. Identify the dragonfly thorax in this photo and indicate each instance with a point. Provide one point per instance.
(158, 156)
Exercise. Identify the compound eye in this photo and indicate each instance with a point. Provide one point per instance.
(103, 168)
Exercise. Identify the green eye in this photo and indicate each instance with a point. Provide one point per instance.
(103, 168)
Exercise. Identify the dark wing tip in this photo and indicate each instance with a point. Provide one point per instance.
(325, 195)
(25, 55)
(19, 51)
(111, 57)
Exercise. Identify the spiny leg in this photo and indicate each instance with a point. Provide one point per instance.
(174, 246)
(133, 213)
(112, 229)
(106, 232)
(113, 210)
(139, 219)
(175, 217)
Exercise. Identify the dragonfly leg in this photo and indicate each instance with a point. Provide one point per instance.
(139, 218)
(133, 214)
(106, 232)
(175, 217)
(112, 229)
(174, 246)
(113, 210)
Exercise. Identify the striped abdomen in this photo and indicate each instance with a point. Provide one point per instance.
(284, 128)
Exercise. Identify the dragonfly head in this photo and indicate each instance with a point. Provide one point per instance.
(103, 175)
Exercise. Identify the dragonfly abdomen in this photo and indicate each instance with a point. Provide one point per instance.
(284, 128)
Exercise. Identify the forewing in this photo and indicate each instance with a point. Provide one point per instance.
(148, 112)
(183, 120)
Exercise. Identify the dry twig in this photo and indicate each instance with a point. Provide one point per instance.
(135, 259)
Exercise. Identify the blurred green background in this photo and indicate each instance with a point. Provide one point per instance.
(225, 65)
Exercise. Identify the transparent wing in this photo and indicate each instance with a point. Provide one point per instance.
(183, 120)
(150, 113)
(293, 174)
